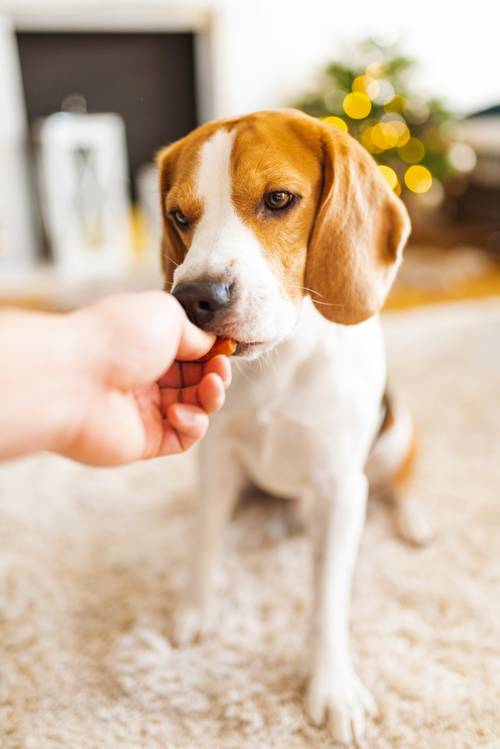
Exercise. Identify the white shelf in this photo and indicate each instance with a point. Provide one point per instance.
(78, 15)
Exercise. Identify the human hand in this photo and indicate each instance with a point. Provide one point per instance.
(141, 394)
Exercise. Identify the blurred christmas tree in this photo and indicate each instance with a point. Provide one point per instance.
(373, 99)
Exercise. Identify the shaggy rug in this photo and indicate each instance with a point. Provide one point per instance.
(92, 562)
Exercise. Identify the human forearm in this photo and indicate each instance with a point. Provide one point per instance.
(109, 383)
(39, 380)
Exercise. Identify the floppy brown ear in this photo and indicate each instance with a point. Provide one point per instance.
(360, 231)
(172, 249)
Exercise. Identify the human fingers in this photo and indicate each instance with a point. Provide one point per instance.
(209, 394)
(185, 374)
(185, 425)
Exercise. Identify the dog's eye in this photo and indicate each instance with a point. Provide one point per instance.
(278, 199)
(180, 219)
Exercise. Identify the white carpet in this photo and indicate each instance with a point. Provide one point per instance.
(91, 563)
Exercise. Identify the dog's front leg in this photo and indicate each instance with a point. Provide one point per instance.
(220, 481)
(334, 692)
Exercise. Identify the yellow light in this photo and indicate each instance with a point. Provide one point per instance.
(418, 178)
(367, 142)
(336, 122)
(390, 175)
(413, 151)
(397, 122)
(357, 105)
(366, 84)
(403, 132)
(384, 135)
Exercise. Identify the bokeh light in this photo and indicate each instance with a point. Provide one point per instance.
(403, 132)
(366, 84)
(375, 70)
(384, 135)
(413, 151)
(386, 92)
(336, 122)
(462, 157)
(367, 142)
(357, 105)
(372, 98)
(390, 176)
(418, 178)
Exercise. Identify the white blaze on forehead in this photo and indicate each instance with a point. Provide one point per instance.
(220, 235)
(214, 175)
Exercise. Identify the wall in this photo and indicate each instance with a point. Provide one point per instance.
(267, 51)
(270, 50)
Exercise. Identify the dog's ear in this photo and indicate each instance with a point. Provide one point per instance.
(172, 249)
(360, 231)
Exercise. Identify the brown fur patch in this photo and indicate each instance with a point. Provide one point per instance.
(359, 233)
(275, 151)
(404, 472)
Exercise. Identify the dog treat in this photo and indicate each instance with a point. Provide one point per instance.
(225, 346)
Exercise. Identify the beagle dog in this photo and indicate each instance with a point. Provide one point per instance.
(281, 232)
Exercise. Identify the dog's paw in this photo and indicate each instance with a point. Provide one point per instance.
(190, 625)
(412, 523)
(338, 698)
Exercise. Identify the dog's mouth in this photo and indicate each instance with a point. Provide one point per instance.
(245, 349)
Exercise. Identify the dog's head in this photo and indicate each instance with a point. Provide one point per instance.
(260, 211)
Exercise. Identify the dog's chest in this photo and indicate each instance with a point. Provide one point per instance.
(275, 448)
(312, 407)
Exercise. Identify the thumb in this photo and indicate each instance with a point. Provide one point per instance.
(194, 342)
(136, 337)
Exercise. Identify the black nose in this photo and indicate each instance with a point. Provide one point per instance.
(202, 299)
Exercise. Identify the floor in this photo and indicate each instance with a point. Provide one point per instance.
(432, 274)
(93, 563)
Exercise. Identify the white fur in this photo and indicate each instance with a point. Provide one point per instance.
(300, 426)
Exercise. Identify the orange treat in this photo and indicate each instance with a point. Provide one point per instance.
(225, 346)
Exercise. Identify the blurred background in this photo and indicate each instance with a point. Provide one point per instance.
(89, 91)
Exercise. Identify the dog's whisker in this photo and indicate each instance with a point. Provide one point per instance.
(242, 371)
(304, 288)
(272, 363)
(171, 260)
(328, 304)
(312, 291)
(267, 360)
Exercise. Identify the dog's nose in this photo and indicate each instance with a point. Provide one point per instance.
(202, 299)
